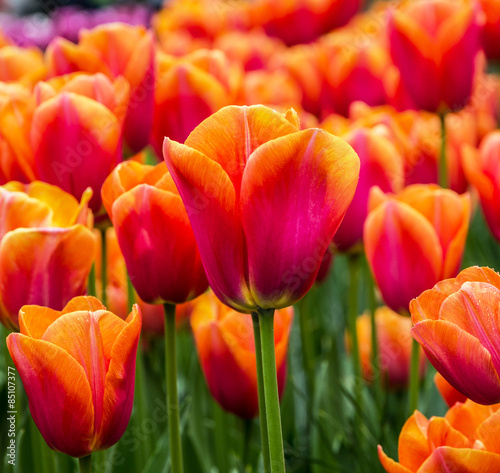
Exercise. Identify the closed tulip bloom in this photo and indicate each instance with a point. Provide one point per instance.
(189, 90)
(76, 134)
(114, 49)
(490, 30)
(146, 208)
(482, 169)
(42, 217)
(382, 166)
(455, 322)
(394, 345)
(414, 239)
(434, 44)
(264, 200)
(464, 440)
(22, 65)
(225, 345)
(78, 369)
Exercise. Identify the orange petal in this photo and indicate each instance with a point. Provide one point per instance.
(390, 465)
(463, 460)
(34, 320)
(413, 444)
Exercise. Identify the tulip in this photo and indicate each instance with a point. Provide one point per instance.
(414, 239)
(435, 42)
(464, 440)
(44, 217)
(260, 246)
(145, 207)
(482, 171)
(189, 90)
(301, 21)
(78, 368)
(225, 345)
(455, 324)
(23, 65)
(394, 345)
(382, 166)
(115, 49)
(76, 134)
(449, 394)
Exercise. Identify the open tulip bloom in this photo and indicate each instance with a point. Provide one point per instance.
(264, 199)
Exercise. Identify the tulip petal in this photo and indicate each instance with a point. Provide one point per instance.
(120, 381)
(232, 134)
(403, 251)
(78, 333)
(460, 358)
(476, 309)
(287, 237)
(390, 465)
(88, 303)
(489, 433)
(414, 433)
(50, 276)
(34, 320)
(442, 434)
(58, 392)
(463, 460)
(210, 200)
(467, 417)
(143, 217)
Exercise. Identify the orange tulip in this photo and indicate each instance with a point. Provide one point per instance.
(382, 166)
(450, 395)
(225, 345)
(154, 233)
(76, 132)
(238, 174)
(434, 44)
(414, 239)
(456, 324)
(78, 369)
(114, 49)
(464, 440)
(482, 169)
(45, 248)
(22, 65)
(394, 342)
(189, 90)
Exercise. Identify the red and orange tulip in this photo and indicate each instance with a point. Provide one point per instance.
(434, 44)
(382, 166)
(22, 65)
(482, 169)
(394, 345)
(490, 30)
(76, 134)
(225, 345)
(144, 206)
(238, 174)
(115, 49)
(80, 387)
(414, 239)
(189, 90)
(464, 440)
(456, 324)
(42, 217)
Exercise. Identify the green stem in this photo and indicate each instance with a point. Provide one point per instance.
(104, 267)
(375, 349)
(130, 294)
(247, 437)
(352, 315)
(270, 381)
(85, 464)
(141, 414)
(91, 287)
(307, 345)
(443, 166)
(414, 376)
(172, 397)
(221, 447)
(260, 389)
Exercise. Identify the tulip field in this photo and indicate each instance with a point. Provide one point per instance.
(250, 236)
